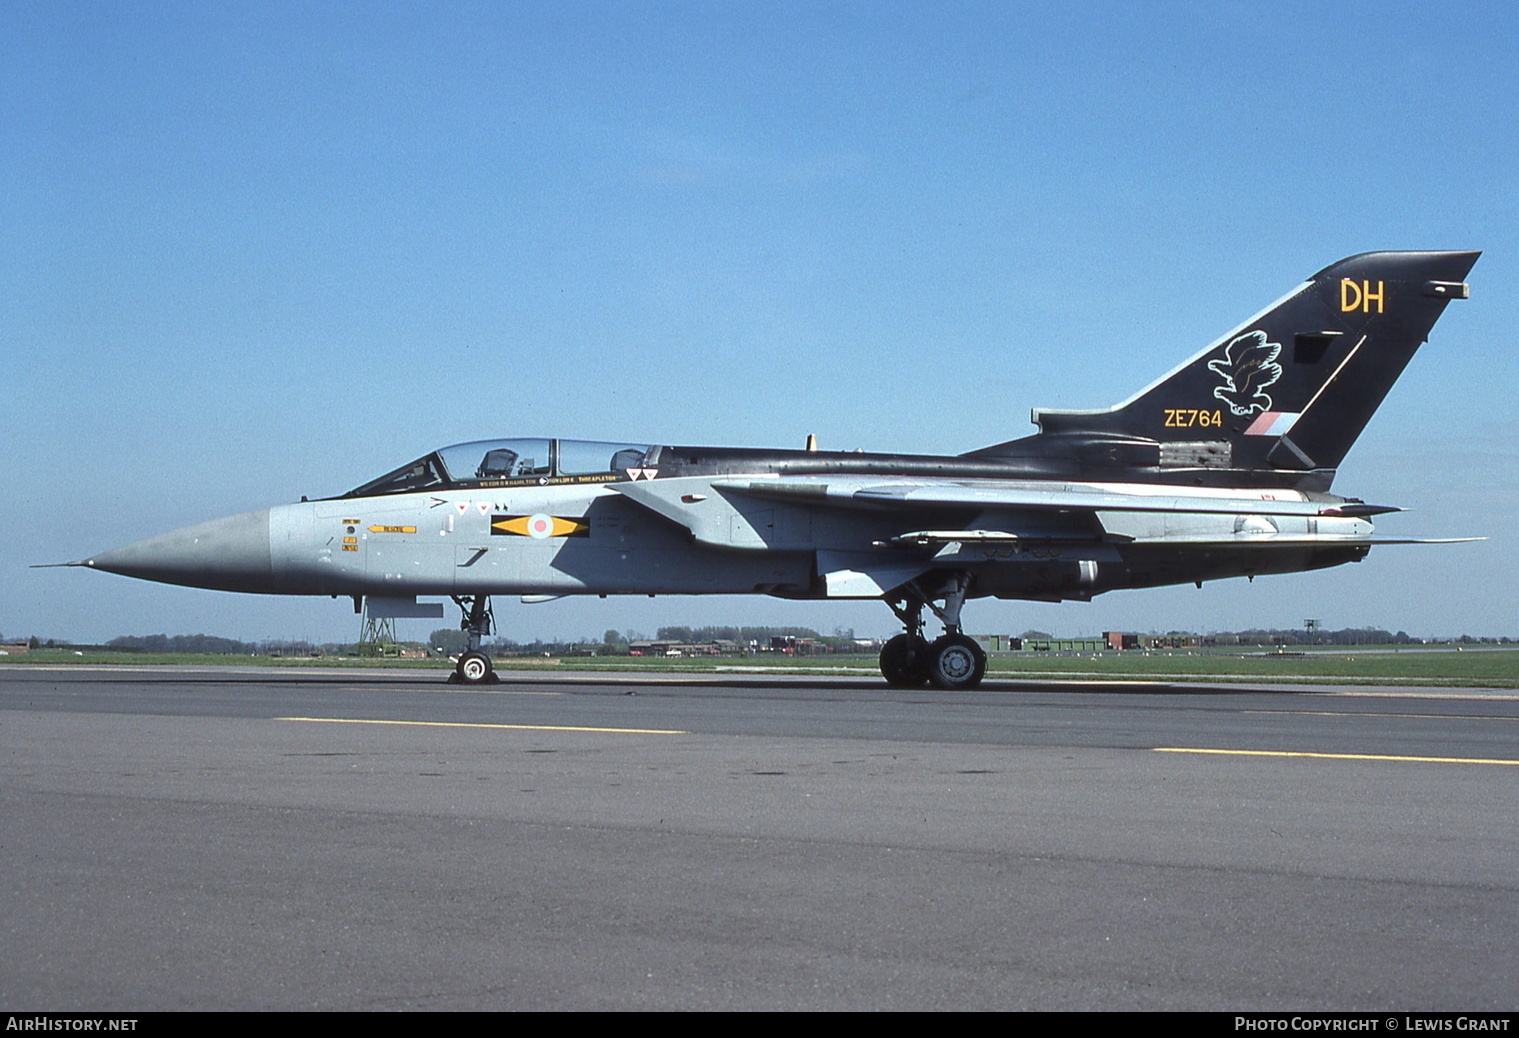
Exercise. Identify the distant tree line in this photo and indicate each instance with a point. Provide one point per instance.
(180, 643)
(452, 641)
(1299, 636)
(209, 643)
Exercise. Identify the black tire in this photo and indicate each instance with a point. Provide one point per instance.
(474, 668)
(904, 662)
(956, 662)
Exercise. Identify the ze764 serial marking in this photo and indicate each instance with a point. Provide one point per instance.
(1187, 417)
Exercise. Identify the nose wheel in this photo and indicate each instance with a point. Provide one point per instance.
(474, 667)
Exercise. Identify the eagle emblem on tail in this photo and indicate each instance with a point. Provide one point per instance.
(1247, 367)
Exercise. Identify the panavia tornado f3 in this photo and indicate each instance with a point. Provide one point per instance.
(1221, 468)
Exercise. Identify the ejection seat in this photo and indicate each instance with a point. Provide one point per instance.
(497, 464)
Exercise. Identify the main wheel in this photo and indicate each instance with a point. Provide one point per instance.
(904, 662)
(956, 662)
(474, 667)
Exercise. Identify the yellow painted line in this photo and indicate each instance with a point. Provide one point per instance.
(1336, 756)
(509, 727)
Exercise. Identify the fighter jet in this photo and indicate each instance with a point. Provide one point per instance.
(1221, 468)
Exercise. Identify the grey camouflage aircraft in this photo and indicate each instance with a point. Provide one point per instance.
(1221, 468)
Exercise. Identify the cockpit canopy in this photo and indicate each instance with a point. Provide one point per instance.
(491, 463)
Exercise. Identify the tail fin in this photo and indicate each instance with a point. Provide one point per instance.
(1291, 389)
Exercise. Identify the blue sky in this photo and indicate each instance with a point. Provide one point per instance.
(250, 252)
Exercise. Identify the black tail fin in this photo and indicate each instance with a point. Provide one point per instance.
(1291, 389)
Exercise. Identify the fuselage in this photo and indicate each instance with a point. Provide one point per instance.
(725, 521)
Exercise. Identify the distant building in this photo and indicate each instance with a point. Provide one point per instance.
(1118, 641)
(1064, 645)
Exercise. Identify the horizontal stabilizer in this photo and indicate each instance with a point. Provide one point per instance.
(1359, 510)
(1424, 540)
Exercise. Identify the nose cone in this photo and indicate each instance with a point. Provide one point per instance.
(230, 554)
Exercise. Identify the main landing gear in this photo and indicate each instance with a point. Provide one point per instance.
(951, 661)
(474, 667)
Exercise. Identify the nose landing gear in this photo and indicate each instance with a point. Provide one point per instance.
(474, 667)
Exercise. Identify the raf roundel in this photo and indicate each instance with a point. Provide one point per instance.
(540, 526)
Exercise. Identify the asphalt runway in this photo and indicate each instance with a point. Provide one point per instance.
(173, 838)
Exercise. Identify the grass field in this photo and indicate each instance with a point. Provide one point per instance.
(1466, 667)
